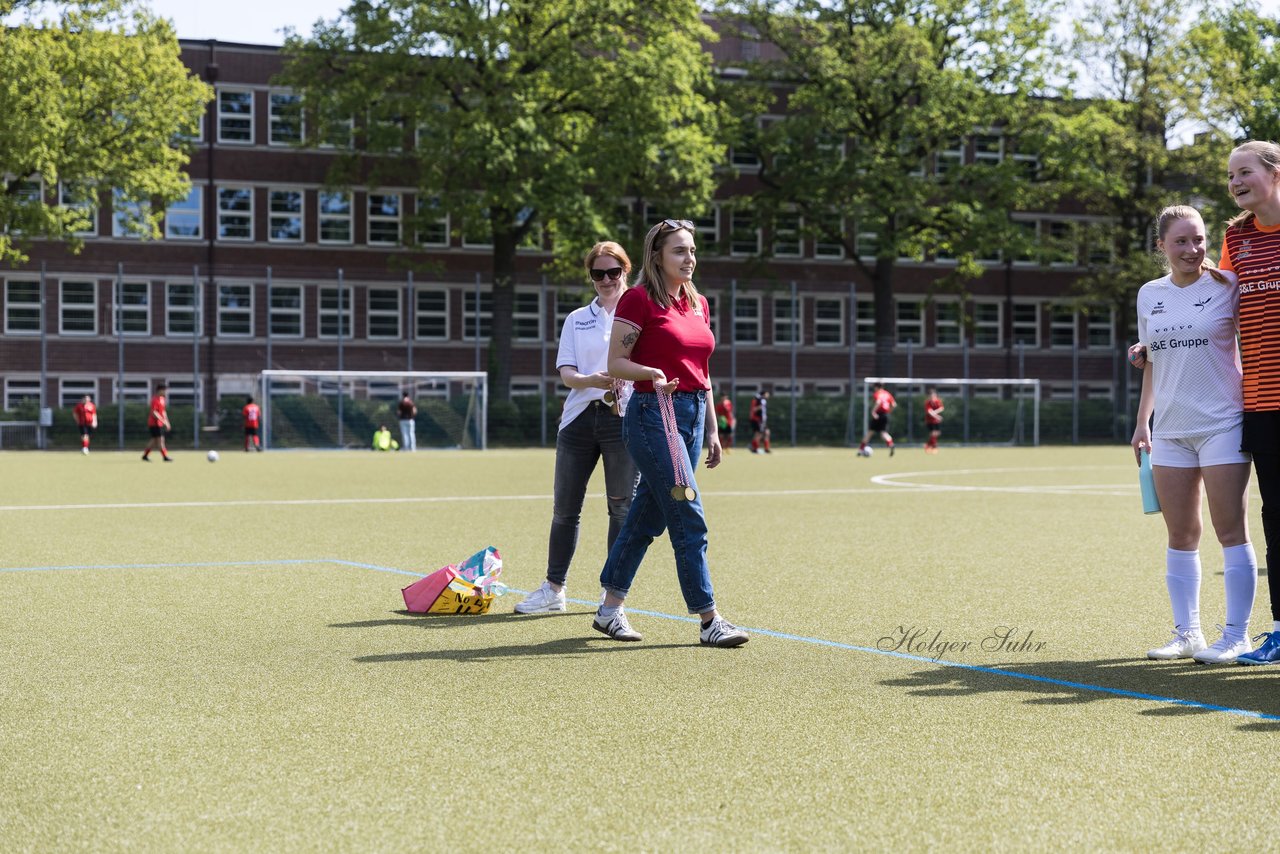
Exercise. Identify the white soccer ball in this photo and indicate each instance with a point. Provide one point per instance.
(866, 452)
(213, 456)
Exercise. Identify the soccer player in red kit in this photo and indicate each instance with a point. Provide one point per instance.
(252, 421)
(933, 420)
(158, 424)
(883, 403)
(725, 422)
(86, 414)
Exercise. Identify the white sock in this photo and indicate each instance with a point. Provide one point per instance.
(1182, 576)
(1275, 627)
(606, 611)
(1240, 574)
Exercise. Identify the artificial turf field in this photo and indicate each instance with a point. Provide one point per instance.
(200, 657)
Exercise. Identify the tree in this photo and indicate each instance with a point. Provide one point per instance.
(874, 93)
(94, 102)
(534, 119)
(1236, 53)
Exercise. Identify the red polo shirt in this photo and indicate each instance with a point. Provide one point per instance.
(676, 340)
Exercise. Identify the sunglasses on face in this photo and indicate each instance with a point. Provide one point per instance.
(678, 223)
(598, 275)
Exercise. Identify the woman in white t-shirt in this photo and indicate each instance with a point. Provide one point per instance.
(590, 428)
(1191, 381)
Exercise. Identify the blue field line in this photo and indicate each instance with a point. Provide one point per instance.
(994, 671)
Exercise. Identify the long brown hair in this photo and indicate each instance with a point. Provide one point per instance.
(1172, 214)
(650, 277)
(1268, 153)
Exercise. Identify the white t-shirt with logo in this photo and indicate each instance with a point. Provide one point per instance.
(584, 345)
(1190, 333)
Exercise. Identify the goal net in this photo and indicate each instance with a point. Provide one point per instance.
(343, 409)
(976, 412)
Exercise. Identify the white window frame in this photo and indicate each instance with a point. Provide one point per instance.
(823, 325)
(440, 312)
(524, 314)
(1058, 324)
(277, 119)
(91, 307)
(66, 199)
(72, 389)
(190, 209)
(234, 313)
(864, 323)
(119, 206)
(441, 223)
(289, 312)
(20, 389)
(1021, 326)
(122, 311)
(133, 391)
(823, 250)
(903, 324)
(330, 218)
(793, 232)
(285, 216)
(173, 311)
(469, 314)
(232, 217)
(236, 119)
(1100, 319)
(988, 332)
(985, 155)
(383, 219)
(381, 313)
(946, 324)
(949, 157)
(784, 323)
(737, 227)
(747, 319)
(341, 314)
(23, 306)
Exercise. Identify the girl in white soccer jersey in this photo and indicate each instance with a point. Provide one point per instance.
(1191, 381)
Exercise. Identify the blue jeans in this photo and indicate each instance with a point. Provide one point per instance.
(654, 510)
(580, 444)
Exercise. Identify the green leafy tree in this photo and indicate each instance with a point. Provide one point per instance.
(97, 101)
(871, 94)
(1236, 53)
(532, 120)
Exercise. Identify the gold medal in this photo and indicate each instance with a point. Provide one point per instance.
(683, 493)
(609, 398)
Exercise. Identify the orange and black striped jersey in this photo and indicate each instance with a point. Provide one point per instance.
(1252, 252)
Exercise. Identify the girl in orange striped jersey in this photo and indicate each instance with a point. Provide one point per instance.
(1251, 249)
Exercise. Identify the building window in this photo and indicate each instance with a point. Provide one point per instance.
(526, 316)
(18, 392)
(128, 219)
(285, 119)
(134, 391)
(235, 310)
(79, 304)
(1101, 328)
(433, 223)
(134, 309)
(950, 156)
(867, 239)
(470, 317)
(1062, 326)
(235, 213)
(285, 311)
(235, 116)
(713, 309)
(786, 322)
(83, 200)
(335, 320)
(22, 313)
(336, 131)
(72, 391)
(946, 319)
(910, 322)
(181, 393)
(865, 322)
(384, 313)
(744, 234)
(746, 320)
(180, 309)
(828, 322)
(786, 235)
(707, 236)
(567, 302)
(431, 314)
(828, 243)
(284, 211)
(1026, 324)
(384, 219)
(334, 217)
(987, 324)
(184, 220)
(1062, 248)
(1026, 244)
(988, 148)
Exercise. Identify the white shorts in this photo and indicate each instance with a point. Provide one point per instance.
(1216, 449)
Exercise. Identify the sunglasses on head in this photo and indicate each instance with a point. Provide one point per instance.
(612, 273)
(678, 223)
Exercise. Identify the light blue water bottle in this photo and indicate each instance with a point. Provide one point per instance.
(1147, 480)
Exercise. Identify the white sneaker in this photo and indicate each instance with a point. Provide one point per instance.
(1183, 645)
(542, 600)
(1223, 651)
(616, 626)
(722, 633)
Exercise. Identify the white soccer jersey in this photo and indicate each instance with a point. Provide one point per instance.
(584, 344)
(1190, 333)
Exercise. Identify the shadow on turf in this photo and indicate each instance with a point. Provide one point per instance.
(1250, 689)
(561, 646)
(437, 621)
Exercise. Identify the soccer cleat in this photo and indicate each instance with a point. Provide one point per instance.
(1268, 653)
(1223, 651)
(84, 449)
(1182, 645)
(146, 459)
(891, 450)
(542, 600)
(616, 626)
(722, 633)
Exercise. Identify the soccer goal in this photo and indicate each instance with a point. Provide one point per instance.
(342, 409)
(976, 412)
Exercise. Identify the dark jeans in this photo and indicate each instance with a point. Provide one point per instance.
(654, 510)
(580, 444)
(1267, 467)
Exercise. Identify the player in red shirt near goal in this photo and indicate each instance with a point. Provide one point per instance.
(252, 421)
(932, 420)
(882, 404)
(86, 414)
(158, 424)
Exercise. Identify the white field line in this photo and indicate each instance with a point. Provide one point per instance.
(896, 482)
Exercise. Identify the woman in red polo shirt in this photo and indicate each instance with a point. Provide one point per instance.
(662, 338)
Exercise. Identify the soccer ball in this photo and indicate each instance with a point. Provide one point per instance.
(865, 452)
(213, 456)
